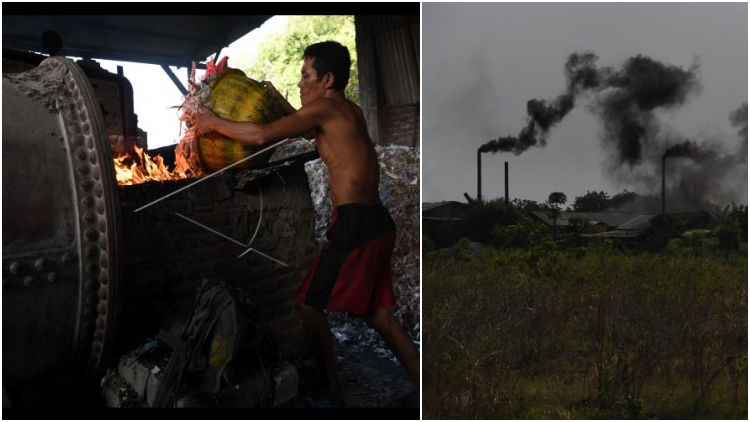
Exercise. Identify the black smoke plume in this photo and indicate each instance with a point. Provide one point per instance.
(738, 119)
(690, 149)
(711, 172)
(626, 110)
(582, 74)
(624, 99)
(714, 173)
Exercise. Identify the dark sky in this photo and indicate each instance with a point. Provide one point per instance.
(674, 71)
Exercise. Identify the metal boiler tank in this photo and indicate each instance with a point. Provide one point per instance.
(60, 225)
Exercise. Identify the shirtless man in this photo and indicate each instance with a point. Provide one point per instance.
(352, 273)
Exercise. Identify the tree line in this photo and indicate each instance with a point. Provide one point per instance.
(498, 223)
(278, 58)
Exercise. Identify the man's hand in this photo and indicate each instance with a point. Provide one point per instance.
(204, 121)
(271, 89)
(285, 106)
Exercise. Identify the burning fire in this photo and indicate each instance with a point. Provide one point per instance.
(187, 162)
(151, 169)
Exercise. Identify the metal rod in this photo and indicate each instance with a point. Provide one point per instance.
(663, 184)
(506, 183)
(214, 174)
(174, 79)
(232, 240)
(260, 217)
(211, 230)
(261, 253)
(245, 253)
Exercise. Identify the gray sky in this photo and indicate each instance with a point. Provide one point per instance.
(482, 62)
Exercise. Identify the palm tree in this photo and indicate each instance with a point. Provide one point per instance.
(555, 200)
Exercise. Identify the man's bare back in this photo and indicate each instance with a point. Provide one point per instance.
(345, 147)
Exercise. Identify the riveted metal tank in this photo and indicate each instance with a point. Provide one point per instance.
(60, 225)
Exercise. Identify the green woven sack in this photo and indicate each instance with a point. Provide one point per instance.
(234, 96)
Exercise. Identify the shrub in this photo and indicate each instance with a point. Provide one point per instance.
(664, 227)
(485, 216)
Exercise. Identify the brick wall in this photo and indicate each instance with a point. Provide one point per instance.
(401, 125)
(109, 96)
(165, 258)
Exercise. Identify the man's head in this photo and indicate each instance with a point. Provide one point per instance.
(330, 57)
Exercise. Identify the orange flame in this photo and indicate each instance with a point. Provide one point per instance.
(128, 172)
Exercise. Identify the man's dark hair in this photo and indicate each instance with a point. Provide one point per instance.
(330, 56)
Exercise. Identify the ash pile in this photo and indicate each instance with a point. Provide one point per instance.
(399, 192)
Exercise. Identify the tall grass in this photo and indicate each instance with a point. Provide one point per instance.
(584, 334)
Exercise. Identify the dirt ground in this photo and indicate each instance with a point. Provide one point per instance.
(369, 382)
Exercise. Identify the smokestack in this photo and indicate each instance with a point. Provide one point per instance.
(479, 175)
(663, 183)
(506, 183)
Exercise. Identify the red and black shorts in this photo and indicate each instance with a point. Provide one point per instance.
(352, 272)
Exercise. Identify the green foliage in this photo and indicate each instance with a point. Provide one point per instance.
(278, 58)
(694, 243)
(485, 216)
(576, 227)
(591, 202)
(427, 244)
(664, 227)
(635, 407)
(732, 229)
(526, 206)
(460, 250)
(577, 253)
(580, 225)
(555, 200)
(524, 234)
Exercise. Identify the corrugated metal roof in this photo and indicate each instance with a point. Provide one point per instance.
(617, 234)
(637, 224)
(641, 223)
(432, 205)
(171, 40)
(447, 209)
(428, 218)
(398, 51)
(611, 219)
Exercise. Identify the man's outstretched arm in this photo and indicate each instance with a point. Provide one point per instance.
(301, 122)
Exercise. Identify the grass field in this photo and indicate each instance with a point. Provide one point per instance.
(590, 333)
